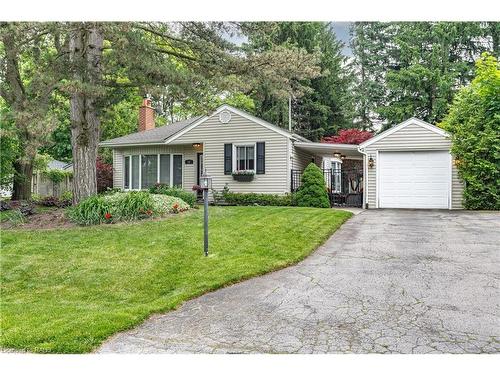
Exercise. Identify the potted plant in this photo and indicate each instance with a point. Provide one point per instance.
(243, 175)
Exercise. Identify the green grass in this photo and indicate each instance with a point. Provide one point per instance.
(66, 291)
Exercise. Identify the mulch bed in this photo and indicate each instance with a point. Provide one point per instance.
(44, 220)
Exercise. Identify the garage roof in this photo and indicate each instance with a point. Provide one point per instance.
(410, 121)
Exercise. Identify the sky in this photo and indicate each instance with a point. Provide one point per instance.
(341, 30)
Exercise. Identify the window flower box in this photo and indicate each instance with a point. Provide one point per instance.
(243, 175)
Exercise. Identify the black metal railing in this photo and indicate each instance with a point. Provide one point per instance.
(345, 187)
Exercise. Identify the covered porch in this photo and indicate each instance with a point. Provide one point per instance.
(342, 166)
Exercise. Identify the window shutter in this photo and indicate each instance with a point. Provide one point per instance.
(261, 158)
(228, 158)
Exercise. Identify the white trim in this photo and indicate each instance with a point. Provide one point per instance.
(365, 180)
(451, 183)
(140, 171)
(377, 177)
(238, 112)
(404, 124)
(235, 157)
(288, 163)
(327, 146)
(158, 169)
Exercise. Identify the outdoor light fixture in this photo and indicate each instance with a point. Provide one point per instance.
(197, 146)
(342, 157)
(337, 155)
(371, 162)
(205, 184)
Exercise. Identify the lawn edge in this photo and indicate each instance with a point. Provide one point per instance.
(92, 350)
(154, 313)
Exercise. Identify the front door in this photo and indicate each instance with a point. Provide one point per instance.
(199, 169)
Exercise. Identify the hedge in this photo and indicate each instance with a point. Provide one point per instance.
(250, 199)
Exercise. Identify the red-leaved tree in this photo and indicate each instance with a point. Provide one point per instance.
(349, 136)
(104, 175)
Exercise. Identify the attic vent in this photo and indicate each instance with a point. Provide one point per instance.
(225, 117)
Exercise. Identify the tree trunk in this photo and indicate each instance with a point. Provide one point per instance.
(21, 189)
(85, 52)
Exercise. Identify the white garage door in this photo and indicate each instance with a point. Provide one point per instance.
(414, 179)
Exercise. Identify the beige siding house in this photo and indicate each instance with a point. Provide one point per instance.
(408, 166)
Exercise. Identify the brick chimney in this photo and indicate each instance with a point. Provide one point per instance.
(146, 115)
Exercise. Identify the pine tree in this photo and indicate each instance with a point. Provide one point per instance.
(415, 68)
(323, 104)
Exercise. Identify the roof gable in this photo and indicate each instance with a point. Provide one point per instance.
(243, 114)
(404, 124)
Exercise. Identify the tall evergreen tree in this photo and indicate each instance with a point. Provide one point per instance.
(320, 105)
(415, 68)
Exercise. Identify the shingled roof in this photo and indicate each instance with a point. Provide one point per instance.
(153, 136)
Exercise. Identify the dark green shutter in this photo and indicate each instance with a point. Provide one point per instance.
(228, 158)
(261, 157)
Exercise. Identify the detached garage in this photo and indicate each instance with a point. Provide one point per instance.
(410, 166)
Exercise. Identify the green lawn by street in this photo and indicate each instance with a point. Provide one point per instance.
(67, 290)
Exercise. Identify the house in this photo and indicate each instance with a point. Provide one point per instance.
(42, 185)
(230, 142)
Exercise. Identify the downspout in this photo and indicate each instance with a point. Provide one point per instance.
(365, 175)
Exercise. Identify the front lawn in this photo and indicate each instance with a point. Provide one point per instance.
(67, 290)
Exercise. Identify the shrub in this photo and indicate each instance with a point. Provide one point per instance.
(67, 195)
(474, 123)
(51, 201)
(165, 204)
(186, 196)
(128, 206)
(312, 192)
(90, 211)
(131, 206)
(36, 198)
(104, 175)
(4, 206)
(16, 217)
(249, 199)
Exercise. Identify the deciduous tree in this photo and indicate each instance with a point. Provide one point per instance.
(28, 53)
(474, 122)
(349, 136)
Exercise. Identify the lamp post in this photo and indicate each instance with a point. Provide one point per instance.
(206, 184)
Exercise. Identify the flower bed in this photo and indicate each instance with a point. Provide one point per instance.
(128, 206)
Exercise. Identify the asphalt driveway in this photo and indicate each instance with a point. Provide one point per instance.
(389, 281)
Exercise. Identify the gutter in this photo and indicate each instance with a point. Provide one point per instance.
(111, 145)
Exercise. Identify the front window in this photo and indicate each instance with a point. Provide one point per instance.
(143, 171)
(245, 158)
(149, 170)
